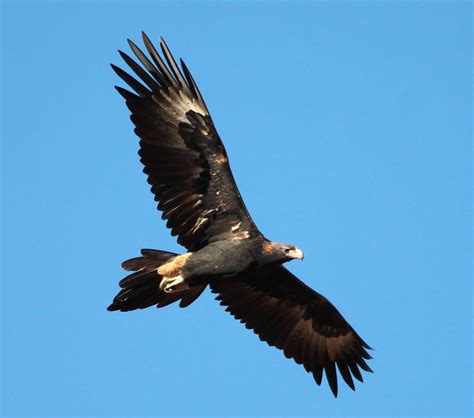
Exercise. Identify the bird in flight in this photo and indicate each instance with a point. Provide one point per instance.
(189, 174)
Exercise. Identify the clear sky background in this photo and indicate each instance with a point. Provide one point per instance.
(348, 126)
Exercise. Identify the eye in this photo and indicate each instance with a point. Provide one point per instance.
(287, 250)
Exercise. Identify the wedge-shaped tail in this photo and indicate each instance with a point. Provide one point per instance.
(141, 289)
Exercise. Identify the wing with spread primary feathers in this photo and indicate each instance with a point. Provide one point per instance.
(291, 316)
(184, 158)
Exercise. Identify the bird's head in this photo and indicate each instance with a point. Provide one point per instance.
(281, 253)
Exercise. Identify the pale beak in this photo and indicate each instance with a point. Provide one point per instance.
(296, 253)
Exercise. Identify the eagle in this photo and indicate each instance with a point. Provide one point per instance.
(188, 170)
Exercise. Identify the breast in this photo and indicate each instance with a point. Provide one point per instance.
(222, 258)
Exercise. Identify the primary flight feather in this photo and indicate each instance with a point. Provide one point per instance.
(189, 173)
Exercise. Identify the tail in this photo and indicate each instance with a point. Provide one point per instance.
(142, 288)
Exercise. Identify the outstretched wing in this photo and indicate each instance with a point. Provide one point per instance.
(184, 158)
(289, 315)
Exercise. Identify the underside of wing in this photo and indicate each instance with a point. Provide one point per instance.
(289, 315)
(183, 156)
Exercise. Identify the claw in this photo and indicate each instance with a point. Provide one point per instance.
(173, 284)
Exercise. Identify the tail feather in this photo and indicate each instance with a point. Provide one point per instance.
(151, 260)
(135, 264)
(141, 289)
(157, 255)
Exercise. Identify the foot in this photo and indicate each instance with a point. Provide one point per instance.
(173, 284)
(173, 267)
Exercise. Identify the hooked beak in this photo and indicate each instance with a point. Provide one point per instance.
(296, 253)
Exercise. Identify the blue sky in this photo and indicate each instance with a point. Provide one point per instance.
(348, 126)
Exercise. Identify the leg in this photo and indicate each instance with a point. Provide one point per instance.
(173, 267)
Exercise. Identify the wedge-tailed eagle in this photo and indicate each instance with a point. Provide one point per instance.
(190, 177)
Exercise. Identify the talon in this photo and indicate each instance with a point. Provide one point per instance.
(173, 284)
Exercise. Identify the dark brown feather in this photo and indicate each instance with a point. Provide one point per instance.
(181, 151)
(141, 289)
(286, 313)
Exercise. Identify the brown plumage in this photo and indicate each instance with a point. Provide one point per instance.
(189, 173)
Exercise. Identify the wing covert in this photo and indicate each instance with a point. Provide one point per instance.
(183, 156)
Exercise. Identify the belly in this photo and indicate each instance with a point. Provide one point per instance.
(219, 259)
